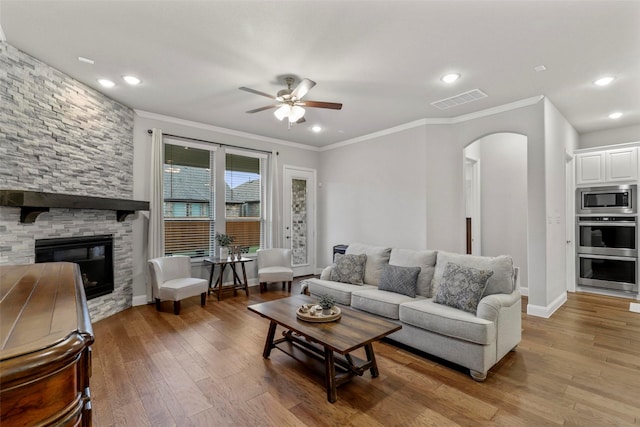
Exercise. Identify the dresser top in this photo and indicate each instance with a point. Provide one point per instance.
(40, 306)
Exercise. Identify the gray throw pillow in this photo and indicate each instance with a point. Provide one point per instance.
(349, 269)
(462, 287)
(401, 280)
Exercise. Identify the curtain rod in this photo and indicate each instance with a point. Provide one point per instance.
(149, 131)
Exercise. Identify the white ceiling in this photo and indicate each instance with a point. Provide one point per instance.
(381, 59)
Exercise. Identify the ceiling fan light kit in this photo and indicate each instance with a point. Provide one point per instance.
(290, 101)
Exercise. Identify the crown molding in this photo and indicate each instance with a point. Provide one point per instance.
(499, 109)
(203, 126)
(437, 121)
(388, 131)
(3, 38)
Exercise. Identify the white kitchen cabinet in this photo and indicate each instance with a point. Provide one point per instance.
(621, 164)
(600, 167)
(590, 168)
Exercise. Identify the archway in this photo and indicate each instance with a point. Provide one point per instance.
(496, 197)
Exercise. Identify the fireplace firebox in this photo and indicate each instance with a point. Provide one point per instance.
(94, 255)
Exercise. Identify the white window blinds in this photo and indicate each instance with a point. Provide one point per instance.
(189, 199)
(245, 186)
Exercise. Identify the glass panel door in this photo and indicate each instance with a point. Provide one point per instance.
(299, 218)
(299, 222)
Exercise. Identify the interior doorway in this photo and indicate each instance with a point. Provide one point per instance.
(496, 197)
(472, 205)
(299, 218)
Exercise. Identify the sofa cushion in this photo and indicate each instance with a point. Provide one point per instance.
(401, 280)
(377, 258)
(426, 260)
(502, 280)
(349, 269)
(447, 321)
(462, 287)
(381, 303)
(341, 292)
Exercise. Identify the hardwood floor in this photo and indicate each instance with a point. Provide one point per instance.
(204, 367)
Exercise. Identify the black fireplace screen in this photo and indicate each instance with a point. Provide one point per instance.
(94, 255)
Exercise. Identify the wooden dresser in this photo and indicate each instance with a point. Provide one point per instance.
(45, 346)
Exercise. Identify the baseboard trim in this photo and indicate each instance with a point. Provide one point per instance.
(547, 311)
(139, 300)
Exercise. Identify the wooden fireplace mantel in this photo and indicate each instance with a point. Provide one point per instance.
(33, 203)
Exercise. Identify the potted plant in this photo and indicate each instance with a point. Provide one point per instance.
(326, 302)
(224, 240)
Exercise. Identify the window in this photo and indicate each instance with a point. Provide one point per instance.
(189, 222)
(244, 198)
(190, 198)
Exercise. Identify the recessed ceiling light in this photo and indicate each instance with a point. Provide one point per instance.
(540, 68)
(106, 83)
(450, 78)
(603, 81)
(316, 128)
(615, 115)
(132, 80)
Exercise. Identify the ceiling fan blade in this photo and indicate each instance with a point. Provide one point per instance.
(302, 89)
(257, 110)
(257, 92)
(319, 104)
(301, 120)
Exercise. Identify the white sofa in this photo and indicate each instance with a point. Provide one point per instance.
(475, 340)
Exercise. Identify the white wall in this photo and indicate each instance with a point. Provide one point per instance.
(289, 153)
(374, 192)
(560, 137)
(610, 137)
(529, 121)
(503, 180)
(432, 155)
(445, 200)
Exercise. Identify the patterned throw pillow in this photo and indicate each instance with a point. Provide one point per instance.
(401, 280)
(462, 287)
(349, 269)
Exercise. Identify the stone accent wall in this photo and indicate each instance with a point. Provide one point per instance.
(60, 136)
(18, 247)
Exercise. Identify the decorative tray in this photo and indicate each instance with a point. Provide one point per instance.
(313, 313)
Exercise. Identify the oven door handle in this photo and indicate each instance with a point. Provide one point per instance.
(610, 257)
(607, 224)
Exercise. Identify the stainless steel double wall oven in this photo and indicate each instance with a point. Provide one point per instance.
(607, 237)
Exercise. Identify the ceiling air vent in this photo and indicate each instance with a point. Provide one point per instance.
(463, 98)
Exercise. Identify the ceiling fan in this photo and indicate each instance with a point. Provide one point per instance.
(289, 101)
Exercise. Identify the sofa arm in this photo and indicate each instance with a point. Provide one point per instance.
(326, 273)
(490, 306)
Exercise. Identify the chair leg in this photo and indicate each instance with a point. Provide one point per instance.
(158, 304)
(263, 286)
(289, 286)
(176, 307)
(203, 299)
(283, 285)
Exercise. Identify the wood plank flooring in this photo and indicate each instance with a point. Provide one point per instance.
(204, 367)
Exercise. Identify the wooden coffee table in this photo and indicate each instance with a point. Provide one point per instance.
(320, 341)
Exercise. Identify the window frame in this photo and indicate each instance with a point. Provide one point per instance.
(213, 149)
(264, 159)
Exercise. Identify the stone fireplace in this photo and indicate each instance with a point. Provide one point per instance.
(19, 240)
(60, 136)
